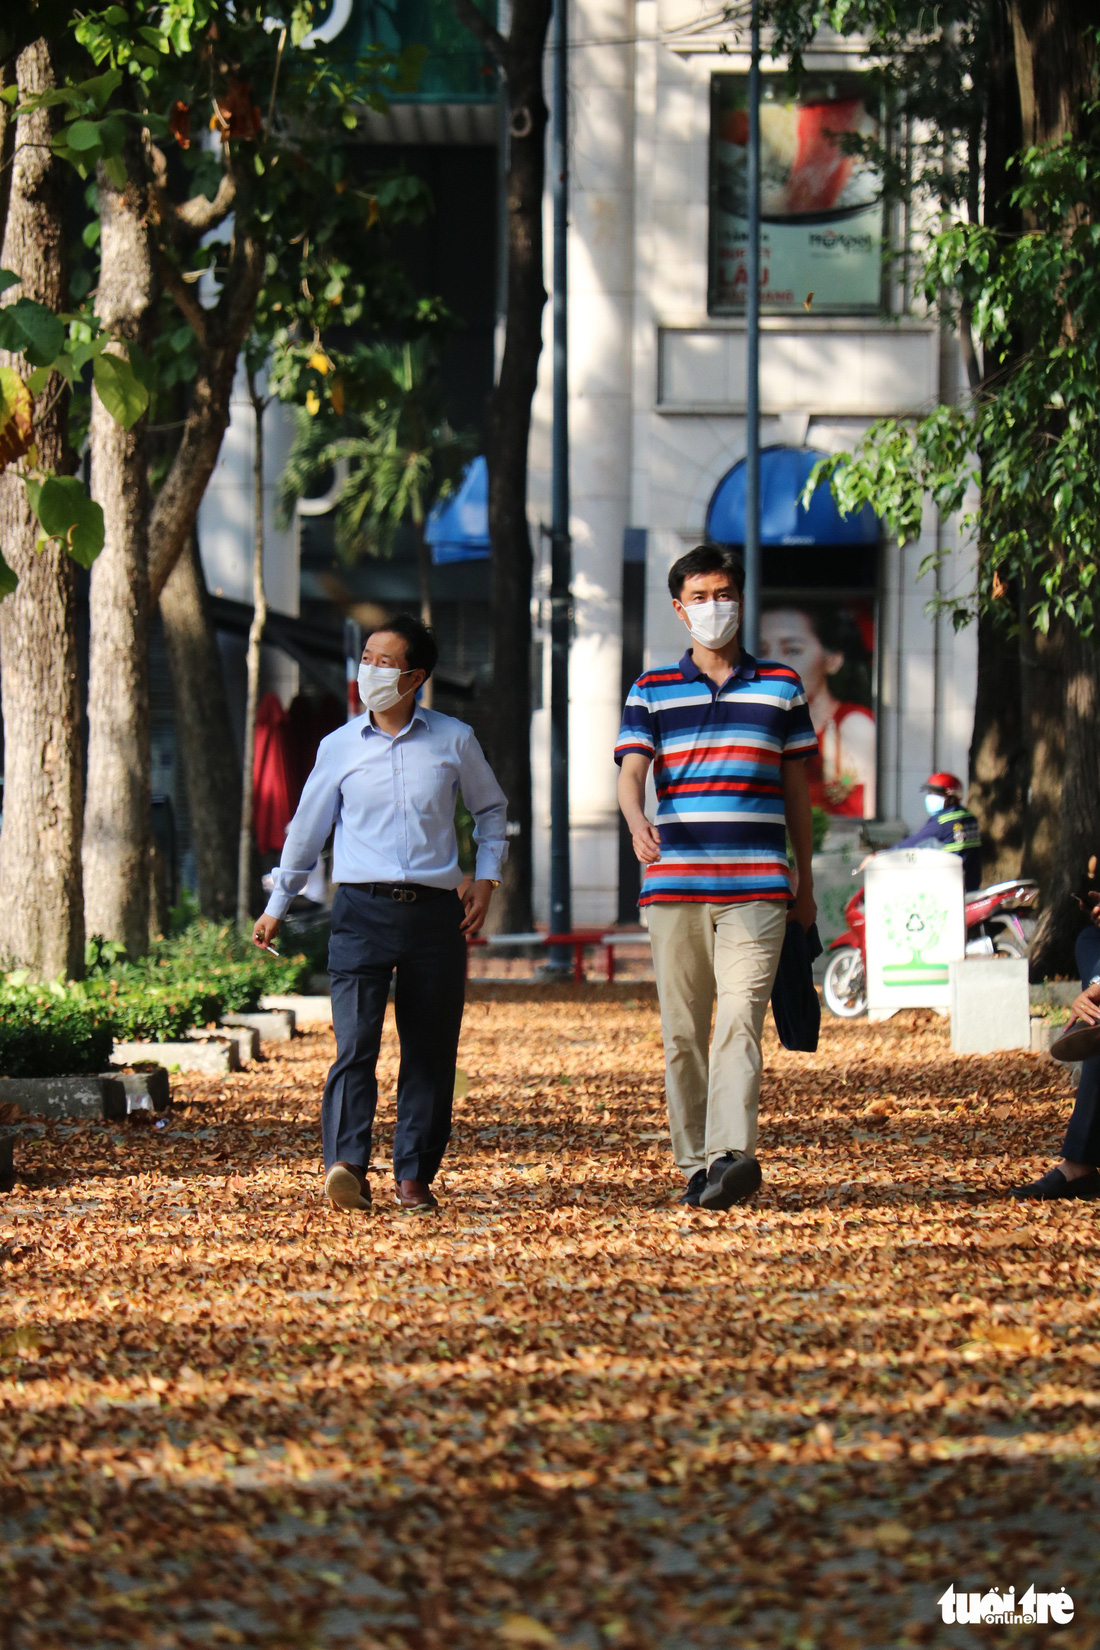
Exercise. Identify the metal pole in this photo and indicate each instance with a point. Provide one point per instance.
(750, 626)
(561, 902)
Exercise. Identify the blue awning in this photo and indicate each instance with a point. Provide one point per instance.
(458, 525)
(784, 520)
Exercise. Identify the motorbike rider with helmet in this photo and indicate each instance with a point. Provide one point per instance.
(949, 826)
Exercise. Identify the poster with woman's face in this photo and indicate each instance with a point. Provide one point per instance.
(830, 643)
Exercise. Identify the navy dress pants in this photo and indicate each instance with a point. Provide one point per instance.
(372, 937)
(1082, 1142)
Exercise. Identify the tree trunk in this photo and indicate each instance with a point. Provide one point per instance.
(1056, 61)
(117, 823)
(255, 638)
(509, 428)
(221, 333)
(1042, 682)
(208, 754)
(999, 751)
(1055, 55)
(41, 903)
(1078, 809)
(997, 755)
(424, 575)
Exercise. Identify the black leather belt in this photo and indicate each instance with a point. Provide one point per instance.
(405, 893)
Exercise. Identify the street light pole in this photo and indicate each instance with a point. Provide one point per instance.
(561, 900)
(751, 625)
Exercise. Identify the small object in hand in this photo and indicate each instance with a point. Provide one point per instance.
(272, 949)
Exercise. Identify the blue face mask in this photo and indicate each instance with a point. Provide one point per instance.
(933, 804)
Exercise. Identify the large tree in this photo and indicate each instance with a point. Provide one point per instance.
(41, 905)
(117, 821)
(263, 217)
(519, 55)
(1017, 280)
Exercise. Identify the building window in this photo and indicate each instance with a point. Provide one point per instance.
(822, 205)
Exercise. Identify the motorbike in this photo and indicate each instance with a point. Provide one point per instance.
(994, 928)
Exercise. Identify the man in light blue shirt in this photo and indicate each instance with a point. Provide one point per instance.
(388, 783)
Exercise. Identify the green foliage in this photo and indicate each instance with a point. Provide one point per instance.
(819, 830)
(186, 980)
(464, 834)
(388, 427)
(120, 389)
(46, 1033)
(183, 914)
(1020, 460)
(277, 108)
(65, 345)
(66, 514)
(31, 329)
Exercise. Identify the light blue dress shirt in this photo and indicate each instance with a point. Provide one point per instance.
(392, 801)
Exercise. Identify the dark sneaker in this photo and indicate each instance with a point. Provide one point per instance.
(347, 1187)
(1055, 1184)
(730, 1179)
(693, 1189)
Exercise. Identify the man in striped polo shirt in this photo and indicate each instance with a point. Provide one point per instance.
(726, 735)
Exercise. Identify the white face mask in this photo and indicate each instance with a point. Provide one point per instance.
(713, 624)
(933, 804)
(378, 688)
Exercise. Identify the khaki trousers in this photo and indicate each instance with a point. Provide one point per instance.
(698, 949)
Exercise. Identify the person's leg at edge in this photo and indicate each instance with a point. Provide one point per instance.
(1081, 1146)
(747, 943)
(429, 1000)
(361, 963)
(682, 936)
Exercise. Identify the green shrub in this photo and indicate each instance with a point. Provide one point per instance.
(46, 1033)
(186, 980)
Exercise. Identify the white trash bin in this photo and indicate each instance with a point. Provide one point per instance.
(915, 928)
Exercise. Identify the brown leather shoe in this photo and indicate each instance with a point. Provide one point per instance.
(347, 1187)
(415, 1196)
(1079, 1041)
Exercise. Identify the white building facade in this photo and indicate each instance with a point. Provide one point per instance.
(657, 403)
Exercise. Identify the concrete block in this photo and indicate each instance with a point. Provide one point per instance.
(989, 1004)
(8, 1137)
(306, 1010)
(134, 1091)
(1054, 993)
(80, 1097)
(1042, 1035)
(213, 1058)
(247, 1039)
(274, 1026)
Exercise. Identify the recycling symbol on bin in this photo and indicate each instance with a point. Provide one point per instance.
(916, 924)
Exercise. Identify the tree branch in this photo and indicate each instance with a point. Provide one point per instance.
(482, 30)
(226, 327)
(198, 215)
(184, 298)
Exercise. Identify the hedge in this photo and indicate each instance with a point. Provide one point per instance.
(187, 980)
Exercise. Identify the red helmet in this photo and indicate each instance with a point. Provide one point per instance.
(948, 783)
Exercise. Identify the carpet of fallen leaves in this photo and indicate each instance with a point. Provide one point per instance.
(566, 1410)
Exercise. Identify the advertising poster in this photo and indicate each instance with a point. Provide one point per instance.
(830, 641)
(821, 207)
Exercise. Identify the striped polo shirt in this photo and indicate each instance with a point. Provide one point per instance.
(716, 765)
